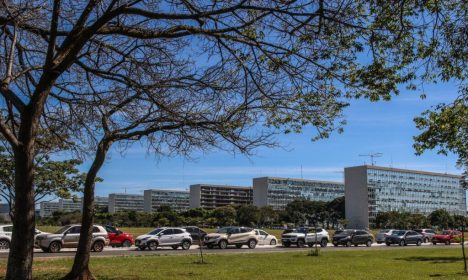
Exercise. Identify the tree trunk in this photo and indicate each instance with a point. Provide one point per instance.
(20, 257)
(80, 269)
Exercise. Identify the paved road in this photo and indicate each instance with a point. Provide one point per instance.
(113, 252)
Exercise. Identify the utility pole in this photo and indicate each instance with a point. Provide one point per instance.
(372, 156)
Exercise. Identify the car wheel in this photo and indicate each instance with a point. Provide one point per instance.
(323, 243)
(175, 247)
(45, 250)
(348, 244)
(186, 245)
(426, 240)
(222, 244)
(4, 244)
(252, 244)
(418, 243)
(55, 247)
(388, 244)
(142, 248)
(273, 242)
(152, 245)
(210, 246)
(335, 244)
(287, 244)
(447, 242)
(238, 246)
(98, 246)
(355, 245)
(127, 243)
(402, 243)
(379, 242)
(300, 243)
(434, 243)
(369, 243)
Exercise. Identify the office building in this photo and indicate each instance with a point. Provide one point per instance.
(278, 192)
(177, 200)
(212, 196)
(70, 205)
(47, 208)
(373, 189)
(123, 201)
(101, 202)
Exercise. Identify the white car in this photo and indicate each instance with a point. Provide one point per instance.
(264, 238)
(164, 237)
(5, 236)
(320, 237)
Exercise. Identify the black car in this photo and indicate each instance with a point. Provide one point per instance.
(354, 237)
(196, 233)
(404, 237)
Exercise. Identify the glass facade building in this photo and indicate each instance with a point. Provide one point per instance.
(373, 189)
(177, 200)
(123, 201)
(209, 196)
(70, 205)
(278, 192)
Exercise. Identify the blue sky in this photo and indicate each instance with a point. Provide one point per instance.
(385, 127)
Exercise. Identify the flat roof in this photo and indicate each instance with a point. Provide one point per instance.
(301, 180)
(407, 171)
(167, 190)
(222, 186)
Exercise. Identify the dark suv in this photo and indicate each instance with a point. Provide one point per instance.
(196, 233)
(354, 237)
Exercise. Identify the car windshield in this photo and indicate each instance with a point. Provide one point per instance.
(156, 231)
(223, 230)
(399, 232)
(62, 230)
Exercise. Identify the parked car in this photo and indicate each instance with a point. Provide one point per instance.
(264, 238)
(404, 237)
(294, 236)
(238, 236)
(382, 234)
(164, 237)
(447, 237)
(354, 237)
(68, 237)
(118, 237)
(196, 233)
(320, 237)
(5, 237)
(426, 233)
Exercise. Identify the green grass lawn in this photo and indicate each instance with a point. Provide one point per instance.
(434, 263)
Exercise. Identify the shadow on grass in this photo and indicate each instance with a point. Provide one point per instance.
(447, 275)
(431, 259)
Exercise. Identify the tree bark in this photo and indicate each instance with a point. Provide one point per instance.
(80, 269)
(20, 257)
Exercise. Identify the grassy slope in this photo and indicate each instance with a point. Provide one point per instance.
(434, 263)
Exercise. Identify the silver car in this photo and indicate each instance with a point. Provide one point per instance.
(427, 233)
(68, 237)
(382, 234)
(164, 237)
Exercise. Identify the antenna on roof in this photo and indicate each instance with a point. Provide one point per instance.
(372, 156)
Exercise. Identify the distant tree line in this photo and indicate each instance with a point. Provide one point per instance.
(298, 212)
(440, 219)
